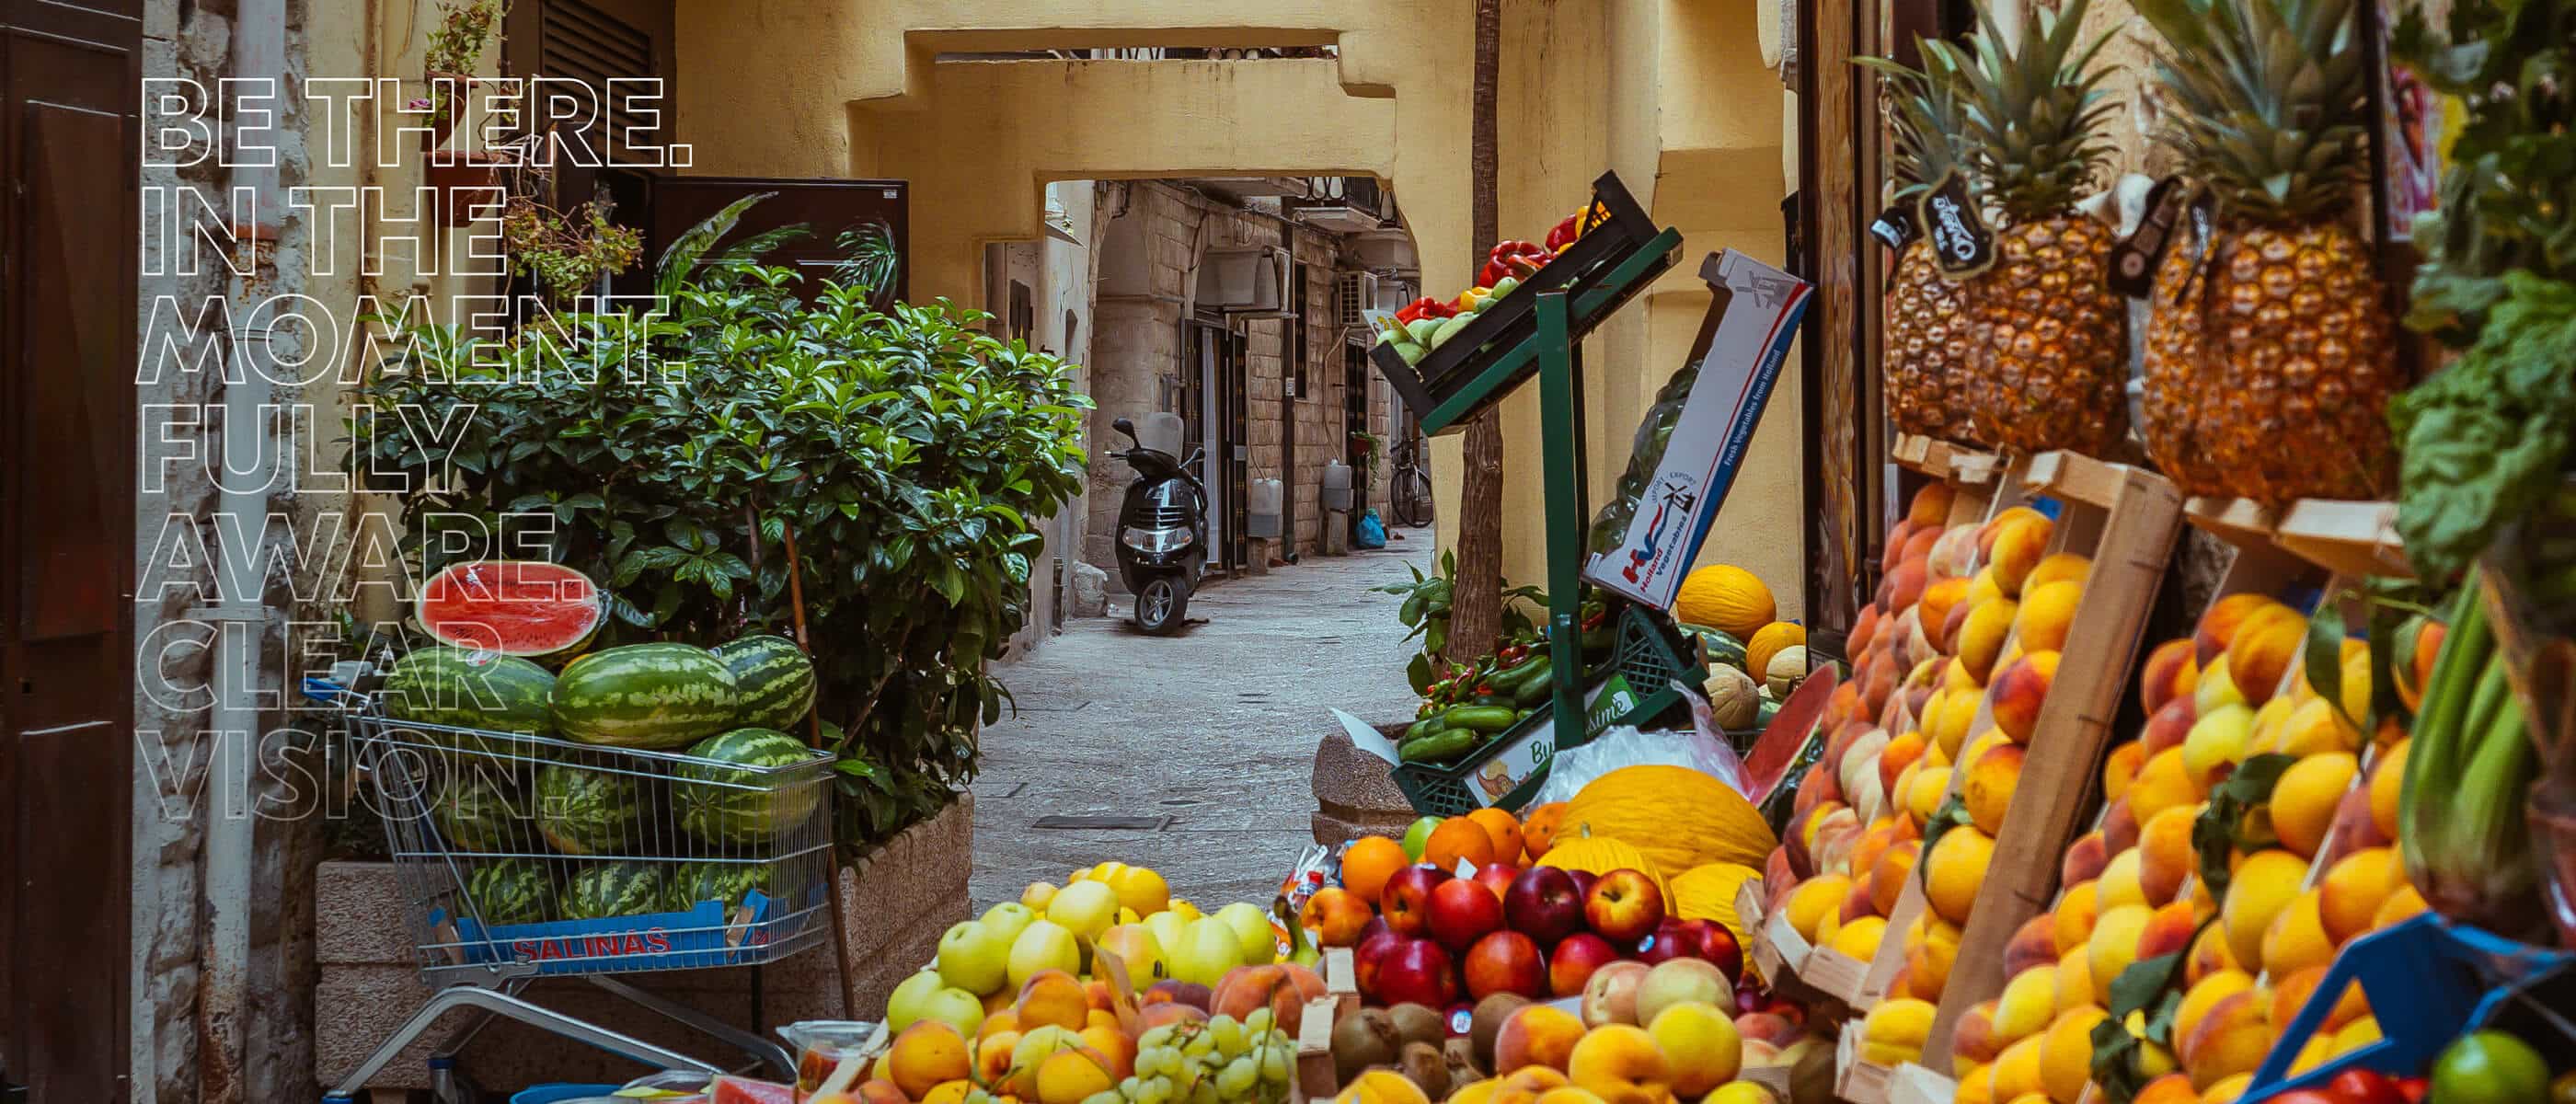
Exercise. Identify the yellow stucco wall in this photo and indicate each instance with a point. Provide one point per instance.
(1670, 93)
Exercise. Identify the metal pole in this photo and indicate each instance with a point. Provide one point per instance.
(1560, 421)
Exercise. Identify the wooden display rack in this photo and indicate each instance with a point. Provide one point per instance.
(2351, 538)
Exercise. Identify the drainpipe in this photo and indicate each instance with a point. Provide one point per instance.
(224, 1010)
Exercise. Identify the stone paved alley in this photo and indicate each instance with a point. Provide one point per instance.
(1210, 732)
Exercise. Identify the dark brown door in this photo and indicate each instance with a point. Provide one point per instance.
(67, 309)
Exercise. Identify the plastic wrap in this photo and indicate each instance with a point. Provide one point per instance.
(1701, 749)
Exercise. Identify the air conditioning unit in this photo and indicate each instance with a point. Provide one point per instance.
(1354, 295)
(1246, 283)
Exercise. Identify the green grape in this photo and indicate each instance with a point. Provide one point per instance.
(1199, 1044)
(1235, 1081)
(1205, 1093)
(1274, 1064)
(978, 1096)
(1259, 1022)
(1154, 1037)
(1228, 1033)
(1102, 1097)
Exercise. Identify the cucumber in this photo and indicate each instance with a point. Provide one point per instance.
(1536, 688)
(1486, 719)
(1448, 743)
(1421, 728)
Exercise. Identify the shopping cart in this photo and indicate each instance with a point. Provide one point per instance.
(524, 857)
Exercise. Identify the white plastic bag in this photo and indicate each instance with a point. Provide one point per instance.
(1623, 746)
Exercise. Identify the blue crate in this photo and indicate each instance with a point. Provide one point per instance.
(554, 1094)
(2428, 979)
(696, 938)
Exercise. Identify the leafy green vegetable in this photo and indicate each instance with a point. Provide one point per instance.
(2484, 441)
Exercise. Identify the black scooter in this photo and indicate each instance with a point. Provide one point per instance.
(1162, 534)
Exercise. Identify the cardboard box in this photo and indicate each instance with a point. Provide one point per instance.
(1760, 317)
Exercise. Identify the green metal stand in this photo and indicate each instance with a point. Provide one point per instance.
(1569, 516)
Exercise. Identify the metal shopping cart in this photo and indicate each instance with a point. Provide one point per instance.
(524, 857)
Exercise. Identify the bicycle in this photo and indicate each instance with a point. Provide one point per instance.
(1408, 485)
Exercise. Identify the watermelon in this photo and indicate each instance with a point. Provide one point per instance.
(463, 688)
(586, 812)
(743, 804)
(512, 891)
(624, 888)
(477, 811)
(729, 1089)
(720, 881)
(515, 607)
(774, 677)
(645, 696)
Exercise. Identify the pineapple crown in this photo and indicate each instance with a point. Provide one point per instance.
(1922, 108)
(2029, 109)
(2264, 102)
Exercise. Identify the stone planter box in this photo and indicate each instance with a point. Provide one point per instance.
(898, 899)
(1354, 794)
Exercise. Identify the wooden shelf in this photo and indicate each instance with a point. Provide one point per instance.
(1798, 970)
(2238, 521)
(2348, 538)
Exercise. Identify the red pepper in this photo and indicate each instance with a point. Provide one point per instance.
(1565, 232)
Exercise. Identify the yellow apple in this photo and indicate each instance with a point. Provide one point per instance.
(1043, 945)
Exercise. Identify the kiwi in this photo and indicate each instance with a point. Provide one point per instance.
(1811, 1081)
(1424, 1065)
(1420, 1023)
(1487, 1022)
(1362, 1039)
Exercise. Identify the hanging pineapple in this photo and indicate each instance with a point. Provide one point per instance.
(2269, 359)
(2051, 340)
(1927, 316)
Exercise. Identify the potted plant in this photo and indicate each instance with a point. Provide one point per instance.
(567, 251)
(454, 49)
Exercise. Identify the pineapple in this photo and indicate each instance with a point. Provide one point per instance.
(1927, 317)
(2270, 362)
(2050, 339)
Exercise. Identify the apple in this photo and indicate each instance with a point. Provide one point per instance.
(1497, 877)
(1043, 945)
(1504, 962)
(1373, 949)
(1406, 902)
(1576, 956)
(1583, 881)
(904, 1005)
(1624, 906)
(1718, 944)
(1610, 996)
(1139, 950)
(1747, 1000)
(1167, 928)
(1417, 837)
(1036, 896)
(975, 957)
(1252, 932)
(1208, 948)
(1682, 981)
(1665, 943)
(1462, 912)
(1084, 908)
(955, 1007)
(1417, 971)
(1010, 918)
(1543, 905)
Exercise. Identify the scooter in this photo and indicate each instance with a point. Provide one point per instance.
(1162, 532)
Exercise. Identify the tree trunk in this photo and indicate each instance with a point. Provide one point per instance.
(1476, 606)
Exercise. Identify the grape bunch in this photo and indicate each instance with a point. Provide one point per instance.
(1217, 1060)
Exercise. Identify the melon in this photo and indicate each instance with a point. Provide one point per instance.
(1786, 670)
(476, 812)
(464, 688)
(729, 1089)
(726, 882)
(587, 812)
(1727, 597)
(749, 801)
(610, 889)
(664, 695)
(515, 607)
(1733, 699)
(511, 891)
(1770, 642)
(773, 678)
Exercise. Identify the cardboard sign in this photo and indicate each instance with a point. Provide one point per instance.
(1707, 445)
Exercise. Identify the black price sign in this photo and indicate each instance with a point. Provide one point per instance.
(1896, 227)
(2173, 206)
(1961, 244)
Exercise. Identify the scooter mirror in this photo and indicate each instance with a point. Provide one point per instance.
(1122, 425)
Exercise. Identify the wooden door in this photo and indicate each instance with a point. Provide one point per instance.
(70, 73)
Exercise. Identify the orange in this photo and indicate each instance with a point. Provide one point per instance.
(1538, 830)
(1458, 840)
(1505, 831)
(1368, 863)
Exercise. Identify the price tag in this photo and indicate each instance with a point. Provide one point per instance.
(1961, 243)
(2134, 260)
(1896, 226)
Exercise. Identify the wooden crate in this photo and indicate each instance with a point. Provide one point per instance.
(2126, 519)
(1857, 1081)
(2348, 538)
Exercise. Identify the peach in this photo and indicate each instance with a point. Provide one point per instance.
(2259, 891)
(2164, 782)
(1173, 1012)
(2218, 624)
(1951, 623)
(2032, 944)
(1978, 1087)
(2084, 859)
(2354, 829)
(1887, 876)
(2016, 549)
(2304, 800)
(1905, 585)
(2017, 1070)
(1858, 940)
(1893, 1032)
(2218, 741)
(1950, 730)
(2165, 855)
(1537, 1035)
(876, 1091)
(1766, 1027)
(2047, 615)
(2264, 650)
(2171, 1088)
(1922, 799)
(2209, 955)
(1620, 1062)
(2059, 568)
(1809, 902)
(2227, 1089)
(1861, 900)
(2215, 687)
(2121, 884)
(1972, 1039)
(1981, 636)
(1989, 788)
(2066, 1054)
(1958, 866)
(2164, 673)
(1897, 535)
(2169, 930)
(2120, 824)
(2354, 888)
(1701, 1044)
(1114, 1045)
(1935, 605)
(1382, 1086)
(2071, 922)
(993, 1055)
(2296, 938)
(1864, 626)
(1052, 997)
(2113, 946)
(1285, 987)
(2017, 693)
(2202, 995)
(926, 1054)
(2168, 724)
(1899, 754)
(2291, 993)
(1930, 506)
(2120, 768)
(2231, 1038)
(2316, 726)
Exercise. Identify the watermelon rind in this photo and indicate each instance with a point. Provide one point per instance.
(463, 688)
(745, 804)
(478, 811)
(726, 882)
(512, 891)
(587, 812)
(549, 611)
(603, 890)
(663, 695)
(773, 676)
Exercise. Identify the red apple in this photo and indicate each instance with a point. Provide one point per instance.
(1665, 943)
(1748, 1000)
(1717, 944)
(1406, 901)
(1505, 962)
(1544, 905)
(1372, 951)
(1623, 906)
(1583, 881)
(1497, 877)
(1572, 962)
(1462, 912)
(1418, 971)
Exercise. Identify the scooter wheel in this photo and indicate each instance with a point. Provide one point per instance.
(1162, 604)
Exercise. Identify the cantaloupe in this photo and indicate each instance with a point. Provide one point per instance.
(1727, 597)
(1769, 641)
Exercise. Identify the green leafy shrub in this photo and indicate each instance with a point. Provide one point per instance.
(906, 452)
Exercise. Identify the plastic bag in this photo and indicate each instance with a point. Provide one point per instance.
(1372, 532)
(1573, 768)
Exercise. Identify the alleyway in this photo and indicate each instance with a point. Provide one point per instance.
(1204, 739)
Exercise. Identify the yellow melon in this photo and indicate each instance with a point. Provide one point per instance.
(1727, 597)
(1708, 893)
(1677, 817)
(1576, 848)
(1769, 642)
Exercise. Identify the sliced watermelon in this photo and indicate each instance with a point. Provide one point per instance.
(728, 1089)
(515, 607)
